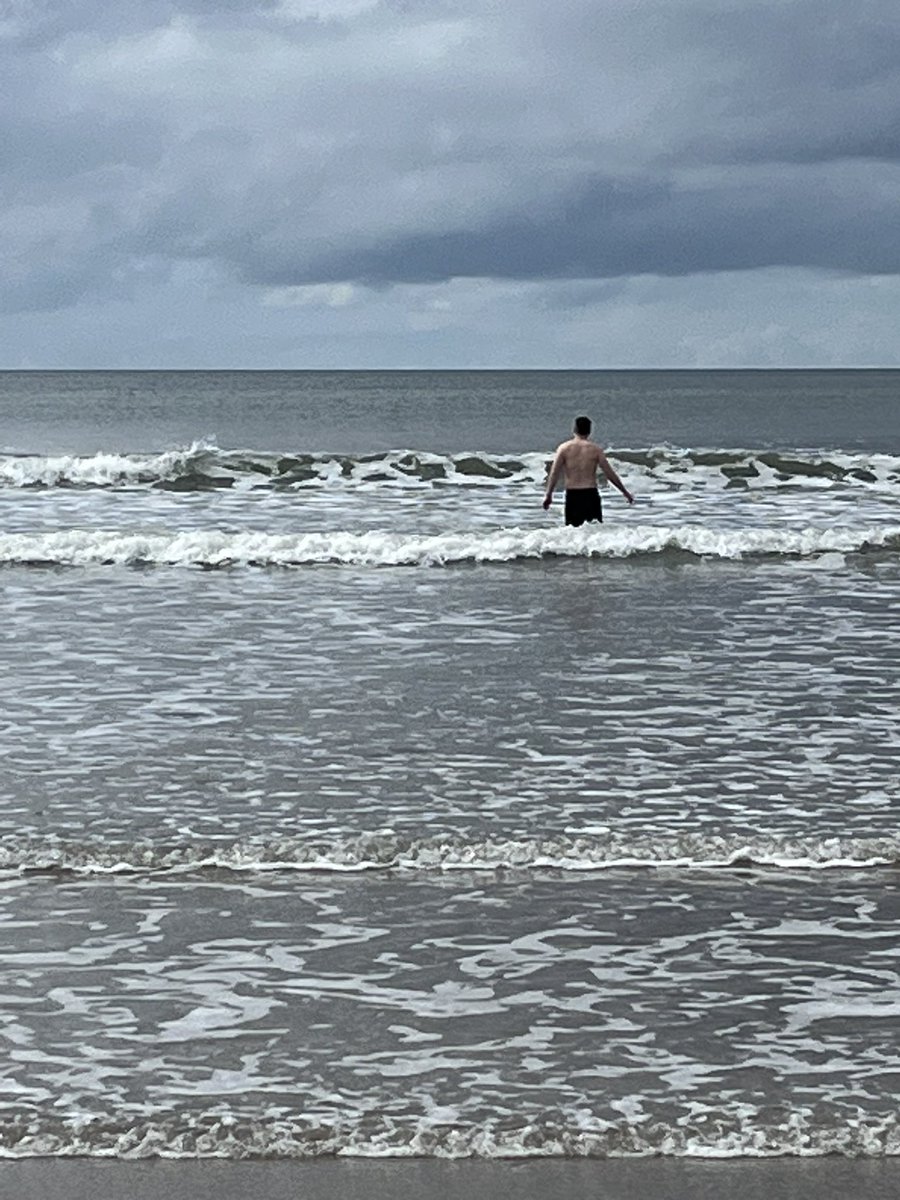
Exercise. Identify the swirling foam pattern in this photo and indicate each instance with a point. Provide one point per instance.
(518, 1016)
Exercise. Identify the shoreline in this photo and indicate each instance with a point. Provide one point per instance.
(829, 1178)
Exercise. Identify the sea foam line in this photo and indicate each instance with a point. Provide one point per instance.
(204, 465)
(218, 1135)
(380, 548)
(388, 851)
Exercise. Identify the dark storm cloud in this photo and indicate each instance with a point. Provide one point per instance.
(611, 230)
(304, 141)
(806, 83)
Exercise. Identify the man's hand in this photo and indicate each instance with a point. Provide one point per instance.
(629, 497)
(548, 500)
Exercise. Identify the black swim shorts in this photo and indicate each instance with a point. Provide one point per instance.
(583, 504)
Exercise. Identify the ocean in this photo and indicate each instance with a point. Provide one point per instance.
(352, 804)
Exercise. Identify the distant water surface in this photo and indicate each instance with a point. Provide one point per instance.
(365, 411)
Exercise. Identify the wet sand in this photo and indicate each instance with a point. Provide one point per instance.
(417, 1179)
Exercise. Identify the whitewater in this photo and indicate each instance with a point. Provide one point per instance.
(382, 548)
(205, 465)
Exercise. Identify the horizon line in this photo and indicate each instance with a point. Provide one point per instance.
(424, 370)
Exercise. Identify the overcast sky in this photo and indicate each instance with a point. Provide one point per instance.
(426, 183)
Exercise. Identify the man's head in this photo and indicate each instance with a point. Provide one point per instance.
(583, 426)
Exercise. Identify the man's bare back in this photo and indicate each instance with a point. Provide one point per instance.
(580, 459)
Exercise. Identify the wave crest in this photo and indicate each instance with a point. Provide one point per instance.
(377, 548)
(204, 465)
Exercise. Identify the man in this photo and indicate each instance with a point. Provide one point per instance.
(580, 458)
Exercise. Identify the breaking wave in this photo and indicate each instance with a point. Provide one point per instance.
(378, 548)
(711, 1134)
(203, 466)
(386, 851)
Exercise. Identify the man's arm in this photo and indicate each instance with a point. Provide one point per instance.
(613, 478)
(556, 470)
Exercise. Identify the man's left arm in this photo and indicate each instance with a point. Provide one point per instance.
(608, 470)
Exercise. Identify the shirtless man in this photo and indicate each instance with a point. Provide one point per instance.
(580, 458)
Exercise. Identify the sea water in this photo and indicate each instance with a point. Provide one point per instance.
(352, 804)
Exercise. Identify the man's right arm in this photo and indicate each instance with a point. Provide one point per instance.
(613, 478)
(556, 470)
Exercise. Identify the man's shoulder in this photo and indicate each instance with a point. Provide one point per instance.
(581, 445)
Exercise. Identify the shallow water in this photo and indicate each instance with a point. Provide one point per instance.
(532, 1012)
(352, 804)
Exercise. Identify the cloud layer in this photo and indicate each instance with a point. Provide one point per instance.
(376, 143)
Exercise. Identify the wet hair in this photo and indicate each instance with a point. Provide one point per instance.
(583, 425)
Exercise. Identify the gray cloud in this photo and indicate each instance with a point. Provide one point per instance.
(307, 141)
(40, 24)
(609, 229)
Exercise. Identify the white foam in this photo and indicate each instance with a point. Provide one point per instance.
(380, 548)
(657, 468)
(388, 851)
(711, 1134)
(103, 469)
